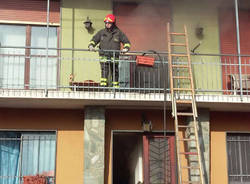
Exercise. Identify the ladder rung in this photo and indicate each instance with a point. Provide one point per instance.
(182, 89)
(179, 55)
(181, 77)
(184, 101)
(185, 126)
(177, 34)
(178, 44)
(187, 139)
(192, 182)
(180, 66)
(189, 153)
(185, 114)
(191, 167)
(184, 67)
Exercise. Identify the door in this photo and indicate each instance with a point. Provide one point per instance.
(159, 159)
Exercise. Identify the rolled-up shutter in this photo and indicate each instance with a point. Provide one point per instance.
(228, 44)
(29, 10)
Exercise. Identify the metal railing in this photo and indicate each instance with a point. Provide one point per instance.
(238, 150)
(80, 69)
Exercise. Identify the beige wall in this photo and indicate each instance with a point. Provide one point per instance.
(193, 14)
(221, 123)
(69, 126)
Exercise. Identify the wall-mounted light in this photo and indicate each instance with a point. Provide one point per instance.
(199, 32)
(146, 124)
(88, 24)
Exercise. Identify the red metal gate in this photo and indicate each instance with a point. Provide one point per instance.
(159, 160)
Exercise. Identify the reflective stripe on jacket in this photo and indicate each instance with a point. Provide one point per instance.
(110, 40)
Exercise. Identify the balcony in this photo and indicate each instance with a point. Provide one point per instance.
(72, 77)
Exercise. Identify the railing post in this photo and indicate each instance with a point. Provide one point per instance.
(47, 50)
(113, 77)
(238, 44)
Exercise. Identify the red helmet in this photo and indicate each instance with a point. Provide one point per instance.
(109, 18)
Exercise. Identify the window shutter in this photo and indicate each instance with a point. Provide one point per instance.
(244, 31)
(228, 40)
(29, 10)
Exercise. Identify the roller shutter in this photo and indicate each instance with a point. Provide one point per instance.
(29, 10)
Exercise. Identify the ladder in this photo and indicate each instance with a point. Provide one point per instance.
(183, 105)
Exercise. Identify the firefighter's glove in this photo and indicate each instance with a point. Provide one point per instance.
(91, 48)
(124, 50)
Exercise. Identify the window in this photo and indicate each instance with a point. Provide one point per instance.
(27, 154)
(238, 150)
(22, 68)
(12, 61)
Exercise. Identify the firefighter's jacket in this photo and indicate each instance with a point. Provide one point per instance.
(110, 40)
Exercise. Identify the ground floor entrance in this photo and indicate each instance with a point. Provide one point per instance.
(147, 158)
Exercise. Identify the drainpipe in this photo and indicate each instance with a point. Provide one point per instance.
(73, 44)
(238, 44)
(47, 50)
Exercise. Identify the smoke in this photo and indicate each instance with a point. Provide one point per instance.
(144, 23)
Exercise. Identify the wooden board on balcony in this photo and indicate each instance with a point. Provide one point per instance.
(83, 86)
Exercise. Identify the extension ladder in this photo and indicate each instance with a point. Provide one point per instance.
(183, 105)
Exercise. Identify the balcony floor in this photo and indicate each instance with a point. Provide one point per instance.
(125, 100)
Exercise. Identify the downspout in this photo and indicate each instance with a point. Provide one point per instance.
(47, 49)
(73, 45)
(238, 45)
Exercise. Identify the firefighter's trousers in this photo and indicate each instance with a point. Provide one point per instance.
(109, 68)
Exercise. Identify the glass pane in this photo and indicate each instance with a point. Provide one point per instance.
(38, 152)
(12, 59)
(43, 72)
(39, 39)
(9, 157)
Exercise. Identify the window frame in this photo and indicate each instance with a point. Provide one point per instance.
(27, 51)
(234, 134)
(36, 132)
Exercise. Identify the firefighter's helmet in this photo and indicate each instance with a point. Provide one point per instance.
(109, 18)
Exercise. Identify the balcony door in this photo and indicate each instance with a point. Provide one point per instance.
(22, 68)
(27, 68)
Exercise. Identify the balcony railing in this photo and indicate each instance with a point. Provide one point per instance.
(79, 70)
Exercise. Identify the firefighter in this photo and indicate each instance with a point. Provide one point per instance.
(109, 38)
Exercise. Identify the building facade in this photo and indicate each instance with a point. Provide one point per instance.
(58, 124)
